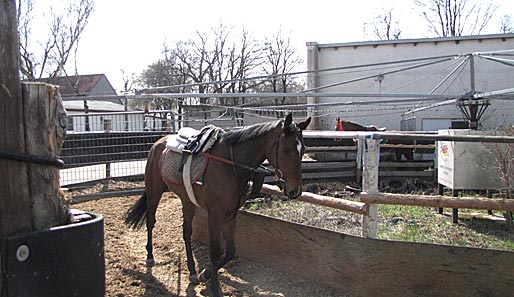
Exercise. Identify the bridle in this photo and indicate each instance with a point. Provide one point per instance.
(261, 171)
(278, 175)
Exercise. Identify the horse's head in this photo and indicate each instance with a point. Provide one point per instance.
(287, 156)
(339, 124)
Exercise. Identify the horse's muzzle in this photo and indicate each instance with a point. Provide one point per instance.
(293, 194)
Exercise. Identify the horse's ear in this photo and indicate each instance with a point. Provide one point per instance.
(288, 121)
(303, 125)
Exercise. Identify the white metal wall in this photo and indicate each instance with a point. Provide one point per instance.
(489, 76)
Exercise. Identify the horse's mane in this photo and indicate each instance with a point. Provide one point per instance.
(250, 133)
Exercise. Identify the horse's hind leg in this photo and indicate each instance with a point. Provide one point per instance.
(154, 196)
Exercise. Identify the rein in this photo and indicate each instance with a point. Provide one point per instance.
(261, 170)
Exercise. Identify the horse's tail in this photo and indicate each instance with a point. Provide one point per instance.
(135, 217)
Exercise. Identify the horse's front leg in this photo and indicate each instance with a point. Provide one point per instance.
(188, 212)
(229, 229)
(215, 221)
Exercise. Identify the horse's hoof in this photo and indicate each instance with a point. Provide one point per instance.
(150, 262)
(194, 279)
(204, 276)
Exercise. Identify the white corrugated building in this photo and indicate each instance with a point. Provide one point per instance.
(397, 83)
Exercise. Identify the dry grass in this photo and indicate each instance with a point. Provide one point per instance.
(405, 223)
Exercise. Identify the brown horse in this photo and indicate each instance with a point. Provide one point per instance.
(351, 126)
(233, 160)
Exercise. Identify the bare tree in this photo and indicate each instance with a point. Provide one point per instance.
(215, 63)
(383, 26)
(504, 162)
(218, 73)
(49, 55)
(164, 73)
(243, 62)
(456, 17)
(280, 60)
(506, 25)
(224, 62)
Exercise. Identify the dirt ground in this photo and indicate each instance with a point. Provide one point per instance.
(128, 275)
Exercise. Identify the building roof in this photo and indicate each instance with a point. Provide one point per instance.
(417, 40)
(93, 106)
(81, 85)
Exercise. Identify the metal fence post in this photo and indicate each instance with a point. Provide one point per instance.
(107, 129)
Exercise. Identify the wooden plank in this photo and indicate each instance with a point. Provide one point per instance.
(328, 165)
(395, 173)
(328, 175)
(311, 149)
(368, 267)
(406, 136)
(439, 201)
(424, 164)
(408, 146)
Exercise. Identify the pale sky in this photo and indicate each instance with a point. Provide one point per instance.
(129, 35)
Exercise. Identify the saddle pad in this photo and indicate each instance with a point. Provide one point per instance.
(170, 165)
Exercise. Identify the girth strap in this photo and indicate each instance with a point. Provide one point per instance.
(186, 176)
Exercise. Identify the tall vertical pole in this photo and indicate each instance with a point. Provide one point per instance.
(14, 194)
(473, 106)
(32, 121)
(472, 73)
(312, 81)
(370, 185)
(15, 214)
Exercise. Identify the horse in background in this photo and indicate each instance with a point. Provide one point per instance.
(342, 125)
(352, 126)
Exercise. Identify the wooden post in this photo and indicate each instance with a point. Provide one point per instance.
(441, 193)
(358, 170)
(30, 197)
(489, 194)
(455, 211)
(15, 216)
(370, 185)
(45, 127)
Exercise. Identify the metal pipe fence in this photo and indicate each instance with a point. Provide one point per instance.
(103, 146)
(100, 156)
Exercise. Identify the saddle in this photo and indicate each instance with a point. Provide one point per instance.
(192, 141)
(181, 162)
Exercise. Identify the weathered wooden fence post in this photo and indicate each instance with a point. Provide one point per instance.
(371, 156)
(45, 124)
(15, 216)
(30, 139)
(360, 150)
